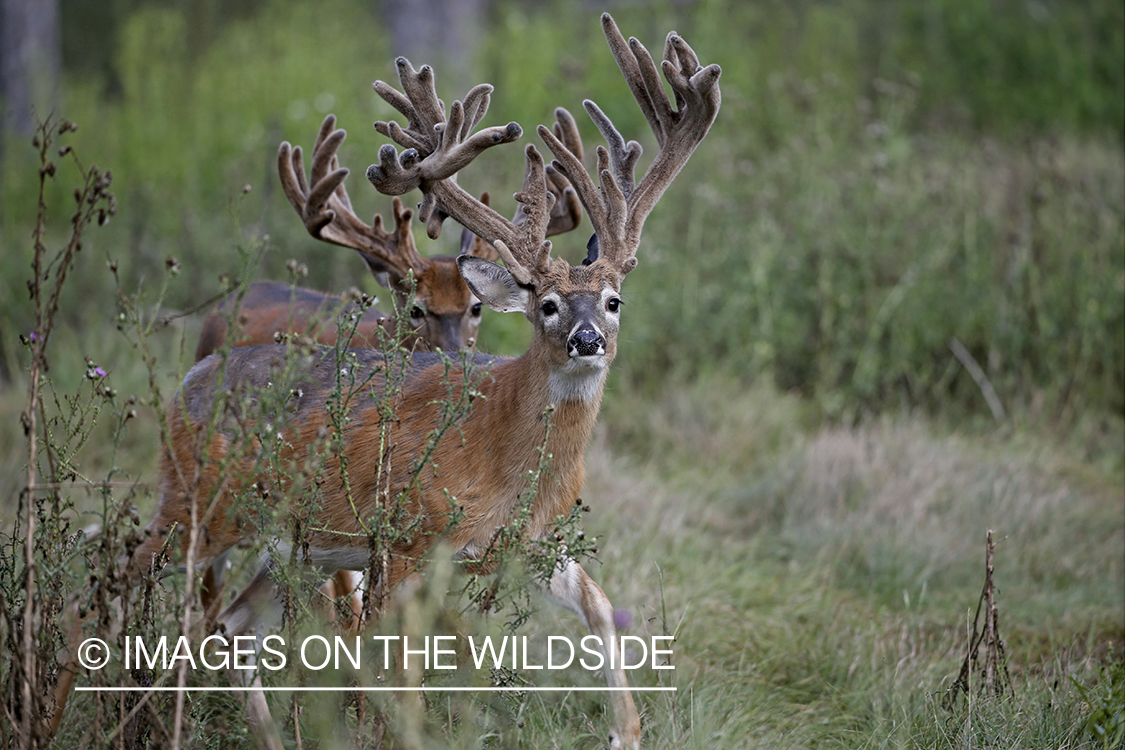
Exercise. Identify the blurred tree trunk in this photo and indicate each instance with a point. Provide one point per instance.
(30, 61)
(441, 33)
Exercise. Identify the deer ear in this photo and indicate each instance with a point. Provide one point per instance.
(493, 284)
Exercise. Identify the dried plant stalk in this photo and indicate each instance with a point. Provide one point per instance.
(993, 662)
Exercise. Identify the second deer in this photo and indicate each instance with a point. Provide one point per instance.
(442, 313)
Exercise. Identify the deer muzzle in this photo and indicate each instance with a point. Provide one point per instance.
(586, 342)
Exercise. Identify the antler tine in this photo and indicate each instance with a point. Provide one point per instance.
(523, 246)
(619, 209)
(566, 209)
(326, 177)
(436, 147)
(530, 251)
(622, 156)
(476, 106)
(565, 129)
(327, 211)
(327, 130)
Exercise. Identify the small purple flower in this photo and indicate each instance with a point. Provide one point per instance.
(99, 372)
(622, 619)
(32, 336)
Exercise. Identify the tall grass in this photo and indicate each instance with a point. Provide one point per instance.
(795, 471)
(821, 582)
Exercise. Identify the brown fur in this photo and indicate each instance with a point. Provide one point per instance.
(449, 320)
(270, 308)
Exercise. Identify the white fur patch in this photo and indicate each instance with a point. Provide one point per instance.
(579, 380)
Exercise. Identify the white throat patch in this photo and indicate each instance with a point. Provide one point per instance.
(577, 381)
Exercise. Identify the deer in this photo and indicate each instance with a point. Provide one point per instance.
(443, 313)
(542, 403)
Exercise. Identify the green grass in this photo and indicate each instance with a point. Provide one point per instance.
(826, 580)
(793, 473)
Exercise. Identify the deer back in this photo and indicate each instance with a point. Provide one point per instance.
(269, 309)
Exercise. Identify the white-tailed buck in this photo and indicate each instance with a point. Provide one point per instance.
(442, 312)
(543, 403)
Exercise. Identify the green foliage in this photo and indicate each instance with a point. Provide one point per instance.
(1106, 703)
(1038, 65)
(190, 128)
(884, 177)
(839, 228)
(846, 269)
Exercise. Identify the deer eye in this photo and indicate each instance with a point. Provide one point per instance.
(417, 313)
(475, 310)
(549, 308)
(613, 304)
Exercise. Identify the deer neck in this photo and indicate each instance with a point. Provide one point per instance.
(536, 386)
(526, 415)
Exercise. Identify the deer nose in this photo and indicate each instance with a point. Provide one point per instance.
(586, 342)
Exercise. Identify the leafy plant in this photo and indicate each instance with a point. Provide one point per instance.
(1105, 701)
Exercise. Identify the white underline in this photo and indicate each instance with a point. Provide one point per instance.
(497, 689)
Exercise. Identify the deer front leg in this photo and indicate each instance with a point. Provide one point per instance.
(571, 587)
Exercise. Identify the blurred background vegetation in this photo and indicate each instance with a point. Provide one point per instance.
(886, 178)
(792, 459)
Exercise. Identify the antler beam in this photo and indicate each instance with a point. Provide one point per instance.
(326, 209)
(436, 148)
(617, 209)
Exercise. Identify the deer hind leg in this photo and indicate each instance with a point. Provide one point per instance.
(345, 583)
(571, 587)
(257, 609)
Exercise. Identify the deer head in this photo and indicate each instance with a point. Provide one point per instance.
(443, 312)
(577, 308)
